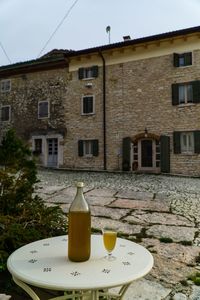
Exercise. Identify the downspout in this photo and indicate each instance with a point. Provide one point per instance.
(104, 112)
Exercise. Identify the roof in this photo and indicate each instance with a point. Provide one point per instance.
(130, 42)
(59, 57)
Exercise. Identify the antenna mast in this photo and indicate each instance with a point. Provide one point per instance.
(108, 28)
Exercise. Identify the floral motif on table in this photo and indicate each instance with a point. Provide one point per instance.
(75, 273)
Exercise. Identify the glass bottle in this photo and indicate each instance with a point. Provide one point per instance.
(79, 227)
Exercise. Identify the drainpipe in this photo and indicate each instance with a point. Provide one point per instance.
(104, 111)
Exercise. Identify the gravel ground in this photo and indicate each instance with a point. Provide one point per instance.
(170, 185)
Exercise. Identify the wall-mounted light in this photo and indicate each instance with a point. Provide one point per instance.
(145, 132)
(88, 84)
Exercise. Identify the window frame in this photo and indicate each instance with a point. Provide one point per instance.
(9, 113)
(180, 59)
(87, 73)
(5, 81)
(82, 105)
(48, 112)
(93, 145)
(186, 148)
(187, 91)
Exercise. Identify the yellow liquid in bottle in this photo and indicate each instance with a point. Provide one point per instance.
(109, 239)
(79, 236)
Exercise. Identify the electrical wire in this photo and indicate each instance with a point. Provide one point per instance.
(58, 26)
(4, 51)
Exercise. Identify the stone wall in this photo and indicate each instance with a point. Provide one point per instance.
(26, 91)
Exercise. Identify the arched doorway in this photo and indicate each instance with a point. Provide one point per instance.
(145, 153)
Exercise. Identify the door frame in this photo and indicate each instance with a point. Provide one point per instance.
(43, 157)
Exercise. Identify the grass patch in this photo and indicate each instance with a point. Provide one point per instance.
(195, 278)
(165, 240)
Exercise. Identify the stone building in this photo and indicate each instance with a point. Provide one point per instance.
(132, 106)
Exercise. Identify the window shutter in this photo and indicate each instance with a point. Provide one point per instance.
(175, 94)
(196, 91)
(81, 73)
(126, 153)
(177, 142)
(95, 71)
(188, 58)
(95, 146)
(165, 154)
(176, 60)
(80, 148)
(197, 141)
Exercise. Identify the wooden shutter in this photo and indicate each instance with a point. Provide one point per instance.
(88, 104)
(165, 154)
(126, 153)
(81, 73)
(175, 94)
(177, 142)
(95, 146)
(176, 60)
(80, 148)
(197, 141)
(196, 91)
(95, 71)
(188, 58)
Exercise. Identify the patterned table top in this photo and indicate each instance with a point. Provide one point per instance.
(45, 264)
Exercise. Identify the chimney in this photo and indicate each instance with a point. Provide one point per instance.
(126, 38)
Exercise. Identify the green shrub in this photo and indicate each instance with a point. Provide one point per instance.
(24, 218)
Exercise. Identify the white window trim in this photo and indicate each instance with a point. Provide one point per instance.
(9, 106)
(91, 113)
(48, 110)
(186, 150)
(185, 85)
(84, 146)
(5, 81)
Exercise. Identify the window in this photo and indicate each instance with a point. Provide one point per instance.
(85, 73)
(87, 105)
(183, 59)
(88, 148)
(183, 93)
(5, 113)
(43, 109)
(5, 85)
(186, 142)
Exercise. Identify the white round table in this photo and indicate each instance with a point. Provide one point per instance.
(45, 264)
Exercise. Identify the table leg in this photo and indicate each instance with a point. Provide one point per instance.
(94, 295)
(26, 288)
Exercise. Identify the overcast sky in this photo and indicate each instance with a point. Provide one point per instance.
(27, 25)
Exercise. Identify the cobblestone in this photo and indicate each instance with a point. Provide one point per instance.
(146, 208)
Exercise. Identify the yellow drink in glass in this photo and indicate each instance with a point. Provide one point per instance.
(109, 239)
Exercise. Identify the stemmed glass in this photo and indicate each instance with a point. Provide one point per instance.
(109, 240)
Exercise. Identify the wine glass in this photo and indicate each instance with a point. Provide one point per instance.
(109, 240)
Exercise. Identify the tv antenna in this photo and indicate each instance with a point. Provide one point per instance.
(108, 28)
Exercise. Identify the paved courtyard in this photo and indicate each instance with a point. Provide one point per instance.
(160, 212)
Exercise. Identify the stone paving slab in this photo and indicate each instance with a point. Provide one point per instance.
(116, 213)
(140, 204)
(143, 218)
(174, 251)
(100, 201)
(123, 228)
(146, 289)
(168, 271)
(176, 233)
(129, 194)
(101, 192)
